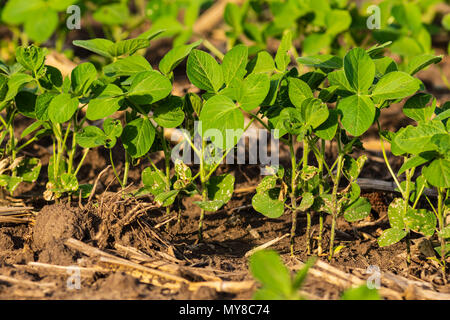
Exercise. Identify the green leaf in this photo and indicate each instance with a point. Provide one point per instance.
(384, 65)
(18, 11)
(15, 83)
(204, 71)
(42, 105)
(234, 65)
(337, 21)
(82, 77)
(266, 184)
(314, 112)
(298, 91)
(422, 61)
(128, 46)
(109, 101)
(91, 137)
(153, 181)
(306, 202)
(221, 187)
(268, 268)
(391, 236)
(358, 114)
(99, 46)
(282, 57)
(421, 220)
(362, 292)
(175, 56)
(29, 169)
(328, 129)
(218, 115)
(263, 63)
(127, 66)
(69, 182)
(253, 91)
(416, 107)
(112, 14)
(359, 70)
(337, 78)
(31, 58)
(112, 127)
(10, 183)
(445, 233)
(315, 42)
(358, 210)
(395, 85)
(169, 112)
(395, 213)
(326, 61)
(166, 198)
(62, 108)
(267, 203)
(438, 173)
(138, 137)
(25, 103)
(416, 161)
(210, 205)
(149, 87)
(415, 140)
(41, 24)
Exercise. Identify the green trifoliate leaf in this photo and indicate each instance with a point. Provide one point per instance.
(127, 66)
(282, 57)
(326, 61)
(99, 46)
(138, 137)
(415, 140)
(306, 202)
(218, 115)
(149, 87)
(107, 103)
(112, 14)
(391, 236)
(438, 173)
(337, 21)
(42, 105)
(91, 137)
(315, 42)
(358, 114)
(422, 61)
(82, 77)
(267, 183)
(211, 205)
(31, 58)
(395, 85)
(337, 78)
(328, 129)
(29, 169)
(175, 56)
(314, 112)
(234, 64)
(384, 65)
(253, 91)
(263, 63)
(169, 112)
(62, 108)
(359, 70)
(298, 91)
(417, 107)
(41, 24)
(204, 71)
(128, 46)
(416, 161)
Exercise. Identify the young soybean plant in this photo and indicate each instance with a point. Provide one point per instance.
(426, 145)
(16, 82)
(297, 113)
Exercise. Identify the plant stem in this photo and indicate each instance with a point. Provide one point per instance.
(204, 191)
(214, 50)
(292, 195)
(408, 174)
(114, 168)
(441, 220)
(320, 162)
(127, 168)
(334, 201)
(389, 167)
(308, 213)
